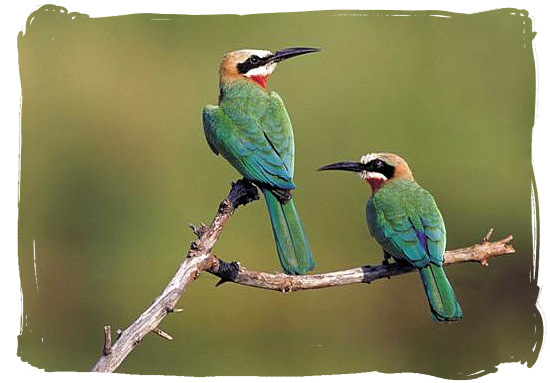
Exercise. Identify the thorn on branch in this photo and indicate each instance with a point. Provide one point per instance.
(506, 242)
(198, 230)
(196, 245)
(194, 229)
(107, 341)
(243, 192)
(162, 334)
(487, 236)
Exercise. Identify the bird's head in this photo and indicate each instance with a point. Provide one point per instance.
(376, 168)
(255, 65)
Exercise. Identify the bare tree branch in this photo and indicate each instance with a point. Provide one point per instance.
(234, 272)
(200, 258)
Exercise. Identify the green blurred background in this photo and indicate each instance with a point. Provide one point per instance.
(114, 165)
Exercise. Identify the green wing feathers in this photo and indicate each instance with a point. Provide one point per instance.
(405, 220)
(250, 150)
(290, 239)
(252, 131)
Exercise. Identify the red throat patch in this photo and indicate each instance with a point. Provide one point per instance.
(261, 80)
(375, 183)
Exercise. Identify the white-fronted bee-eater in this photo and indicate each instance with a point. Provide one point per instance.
(404, 219)
(251, 129)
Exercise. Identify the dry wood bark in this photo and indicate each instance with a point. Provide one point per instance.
(200, 258)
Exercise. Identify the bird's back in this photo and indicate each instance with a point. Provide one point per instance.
(405, 220)
(252, 130)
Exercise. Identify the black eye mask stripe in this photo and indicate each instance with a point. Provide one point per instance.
(381, 167)
(252, 62)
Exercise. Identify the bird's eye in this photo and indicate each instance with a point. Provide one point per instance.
(378, 164)
(254, 59)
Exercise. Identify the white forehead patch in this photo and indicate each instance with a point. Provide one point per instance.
(371, 175)
(368, 158)
(257, 52)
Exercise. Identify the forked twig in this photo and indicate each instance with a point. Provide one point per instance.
(200, 258)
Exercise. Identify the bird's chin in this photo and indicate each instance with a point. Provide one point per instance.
(375, 180)
(260, 80)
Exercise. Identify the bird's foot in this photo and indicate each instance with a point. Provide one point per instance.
(242, 192)
(386, 260)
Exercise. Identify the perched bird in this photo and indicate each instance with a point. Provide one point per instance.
(251, 129)
(404, 218)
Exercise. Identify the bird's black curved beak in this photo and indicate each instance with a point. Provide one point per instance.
(287, 53)
(347, 166)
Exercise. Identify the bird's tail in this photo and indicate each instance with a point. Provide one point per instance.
(443, 302)
(292, 245)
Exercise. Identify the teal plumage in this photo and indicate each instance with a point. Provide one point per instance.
(251, 129)
(405, 220)
(290, 239)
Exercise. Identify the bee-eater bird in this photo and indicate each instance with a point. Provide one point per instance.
(251, 129)
(404, 219)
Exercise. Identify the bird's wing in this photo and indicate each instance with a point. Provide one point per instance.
(433, 227)
(277, 127)
(408, 225)
(209, 122)
(247, 142)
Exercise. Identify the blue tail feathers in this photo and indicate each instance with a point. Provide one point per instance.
(290, 239)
